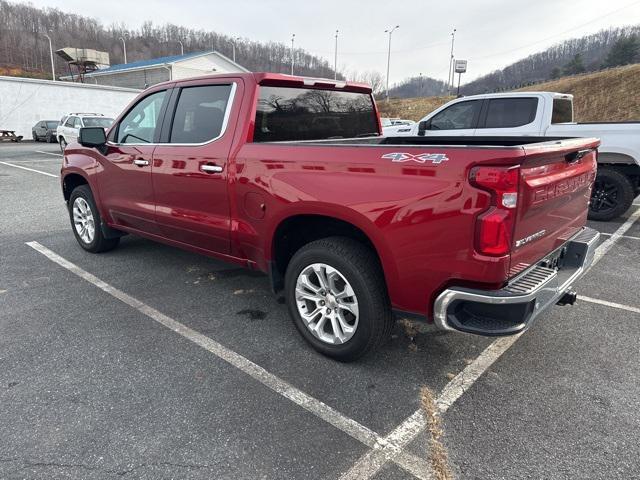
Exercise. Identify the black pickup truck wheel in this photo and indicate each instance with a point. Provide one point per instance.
(86, 221)
(612, 195)
(337, 297)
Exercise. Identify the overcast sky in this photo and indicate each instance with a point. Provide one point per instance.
(490, 33)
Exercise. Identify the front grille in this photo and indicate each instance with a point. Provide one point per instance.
(530, 281)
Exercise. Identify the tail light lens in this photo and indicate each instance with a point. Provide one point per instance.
(494, 227)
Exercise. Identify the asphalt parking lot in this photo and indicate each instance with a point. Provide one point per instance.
(151, 362)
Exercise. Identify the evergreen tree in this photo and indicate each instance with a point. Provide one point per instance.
(625, 51)
(575, 65)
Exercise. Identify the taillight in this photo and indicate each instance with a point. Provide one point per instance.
(495, 226)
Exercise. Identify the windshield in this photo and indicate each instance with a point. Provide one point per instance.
(289, 114)
(386, 122)
(97, 122)
(51, 125)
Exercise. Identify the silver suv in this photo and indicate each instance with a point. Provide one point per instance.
(70, 125)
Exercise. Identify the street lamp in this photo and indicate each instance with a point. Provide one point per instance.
(335, 59)
(293, 37)
(53, 68)
(181, 47)
(233, 46)
(451, 73)
(124, 47)
(389, 31)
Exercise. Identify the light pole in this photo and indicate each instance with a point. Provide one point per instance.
(181, 47)
(389, 31)
(335, 59)
(420, 92)
(233, 47)
(124, 47)
(293, 37)
(53, 68)
(451, 77)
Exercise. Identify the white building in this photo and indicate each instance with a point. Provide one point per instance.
(145, 73)
(26, 101)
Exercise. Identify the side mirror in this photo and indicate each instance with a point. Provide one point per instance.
(92, 137)
(423, 126)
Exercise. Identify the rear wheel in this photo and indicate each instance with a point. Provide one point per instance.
(612, 195)
(86, 221)
(35, 136)
(337, 297)
(63, 144)
(51, 138)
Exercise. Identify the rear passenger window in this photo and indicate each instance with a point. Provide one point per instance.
(510, 112)
(200, 114)
(140, 124)
(69, 122)
(562, 111)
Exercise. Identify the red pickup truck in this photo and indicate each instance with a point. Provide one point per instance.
(291, 176)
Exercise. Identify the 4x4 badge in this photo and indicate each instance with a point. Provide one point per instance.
(435, 158)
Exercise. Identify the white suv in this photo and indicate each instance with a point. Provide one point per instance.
(70, 125)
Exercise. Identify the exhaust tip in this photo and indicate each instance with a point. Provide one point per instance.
(569, 298)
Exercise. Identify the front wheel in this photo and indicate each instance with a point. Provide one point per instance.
(85, 222)
(612, 195)
(337, 297)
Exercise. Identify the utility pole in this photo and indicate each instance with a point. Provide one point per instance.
(389, 31)
(124, 47)
(53, 68)
(420, 93)
(293, 37)
(451, 77)
(181, 47)
(335, 59)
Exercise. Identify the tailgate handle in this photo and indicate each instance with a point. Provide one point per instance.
(575, 156)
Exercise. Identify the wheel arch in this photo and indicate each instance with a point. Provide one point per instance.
(302, 226)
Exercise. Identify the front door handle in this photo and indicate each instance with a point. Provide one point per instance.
(208, 168)
(141, 162)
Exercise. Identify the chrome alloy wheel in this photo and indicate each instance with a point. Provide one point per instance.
(83, 220)
(327, 303)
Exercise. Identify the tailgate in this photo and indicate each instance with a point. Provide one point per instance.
(553, 198)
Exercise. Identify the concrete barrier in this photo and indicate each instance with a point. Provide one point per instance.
(25, 101)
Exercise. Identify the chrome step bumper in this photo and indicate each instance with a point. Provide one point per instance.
(513, 308)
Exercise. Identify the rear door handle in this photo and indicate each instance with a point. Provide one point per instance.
(208, 168)
(141, 162)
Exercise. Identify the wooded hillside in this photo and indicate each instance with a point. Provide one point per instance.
(24, 48)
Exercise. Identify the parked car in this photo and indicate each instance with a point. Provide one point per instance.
(350, 226)
(45, 130)
(551, 115)
(70, 125)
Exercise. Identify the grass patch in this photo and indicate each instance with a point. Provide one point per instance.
(438, 453)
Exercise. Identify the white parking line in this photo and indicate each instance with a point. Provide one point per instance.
(609, 304)
(29, 169)
(49, 153)
(418, 467)
(371, 462)
(630, 237)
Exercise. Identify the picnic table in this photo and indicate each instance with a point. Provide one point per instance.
(9, 136)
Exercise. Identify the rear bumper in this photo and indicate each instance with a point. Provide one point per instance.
(513, 308)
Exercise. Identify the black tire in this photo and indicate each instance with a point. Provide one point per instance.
(99, 243)
(51, 138)
(360, 267)
(35, 136)
(612, 195)
(63, 144)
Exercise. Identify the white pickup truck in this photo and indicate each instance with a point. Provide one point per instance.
(551, 115)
